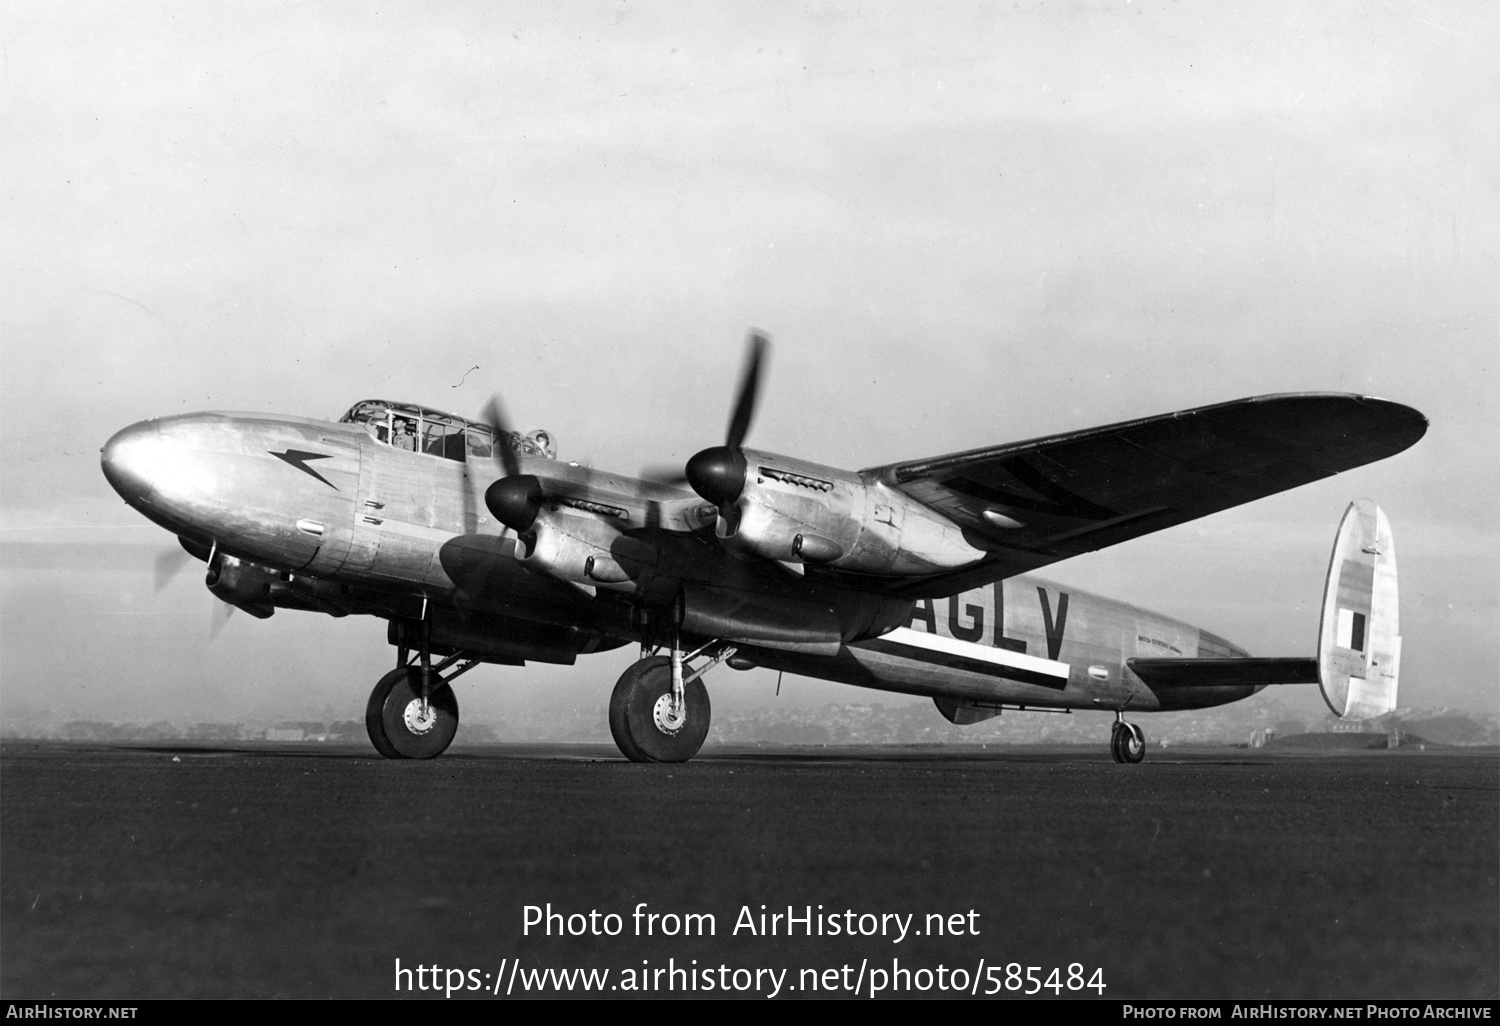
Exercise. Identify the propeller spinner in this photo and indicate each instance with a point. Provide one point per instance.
(515, 498)
(718, 473)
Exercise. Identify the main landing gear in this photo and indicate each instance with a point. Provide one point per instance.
(658, 712)
(1127, 742)
(413, 713)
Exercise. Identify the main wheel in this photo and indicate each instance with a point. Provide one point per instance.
(640, 714)
(398, 726)
(1132, 744)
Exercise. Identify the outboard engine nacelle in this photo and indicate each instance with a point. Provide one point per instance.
(241, 584)
(786, 509)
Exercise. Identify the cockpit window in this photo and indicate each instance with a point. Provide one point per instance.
(404, 433)
(418, 429)
(446, 440)
(481, 442)
(367, 412)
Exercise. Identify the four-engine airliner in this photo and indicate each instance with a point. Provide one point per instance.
(477, 545)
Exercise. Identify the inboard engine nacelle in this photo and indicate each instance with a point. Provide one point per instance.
(584, 549)
(787, 509)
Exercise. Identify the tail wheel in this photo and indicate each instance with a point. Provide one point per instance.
(641, 717)
(1127, 743)
(399, 725)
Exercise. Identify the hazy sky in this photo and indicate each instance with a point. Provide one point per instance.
(961, 227)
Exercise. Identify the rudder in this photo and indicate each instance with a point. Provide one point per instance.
(1359, 638)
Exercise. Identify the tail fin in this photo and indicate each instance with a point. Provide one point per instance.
(1359, 639)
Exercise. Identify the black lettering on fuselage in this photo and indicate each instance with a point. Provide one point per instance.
(1001, 641)
(922, 610)
(958, 630)
(924, 613)
(1054, 631)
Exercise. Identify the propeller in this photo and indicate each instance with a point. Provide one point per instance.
(217, 618)
(493, 415)
(744, 407)
(169, 563)
(515, 498)
(662, 474)
(718, 473)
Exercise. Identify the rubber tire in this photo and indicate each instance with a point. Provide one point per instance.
(1115, 734)
(631, 714)
(1132, 744)
(619, 702)
(385, 717)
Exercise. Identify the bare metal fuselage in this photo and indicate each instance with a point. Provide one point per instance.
(342, 517)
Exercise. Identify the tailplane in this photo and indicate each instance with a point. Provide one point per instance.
(1359, 636)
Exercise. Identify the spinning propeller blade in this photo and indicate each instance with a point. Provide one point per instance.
(494, 415)
(744, 406)
(516, 498)
(663, 474)
(218, 616)
(718, 474)
(169, 563)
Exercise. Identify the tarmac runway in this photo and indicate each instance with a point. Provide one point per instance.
(307, 870)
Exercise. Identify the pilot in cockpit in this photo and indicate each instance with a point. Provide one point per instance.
(405, 435)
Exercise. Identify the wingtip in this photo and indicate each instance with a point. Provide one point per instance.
(1414, 421)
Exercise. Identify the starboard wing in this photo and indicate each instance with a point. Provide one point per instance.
(1040, 501)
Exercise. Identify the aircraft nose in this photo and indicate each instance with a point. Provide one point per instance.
(129, 460)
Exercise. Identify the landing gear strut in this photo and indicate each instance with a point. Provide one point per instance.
(659, 713)
(1127, 743)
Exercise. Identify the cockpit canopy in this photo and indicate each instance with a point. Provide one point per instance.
(418, 429)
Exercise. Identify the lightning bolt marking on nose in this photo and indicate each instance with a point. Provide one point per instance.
(298, 459)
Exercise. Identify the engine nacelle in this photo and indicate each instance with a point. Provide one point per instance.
(795, 511)
(585, 549)
(243, 585)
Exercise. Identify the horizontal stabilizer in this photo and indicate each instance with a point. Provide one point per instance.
(1213, 673)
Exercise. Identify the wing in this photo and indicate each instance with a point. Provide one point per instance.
(1048, 499)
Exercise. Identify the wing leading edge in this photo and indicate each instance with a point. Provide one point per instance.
(1048, 499)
